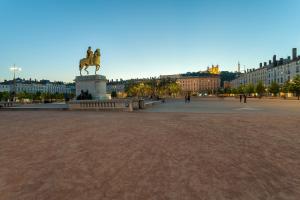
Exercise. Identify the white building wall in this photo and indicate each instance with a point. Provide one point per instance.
(4, 88)
(268, 74)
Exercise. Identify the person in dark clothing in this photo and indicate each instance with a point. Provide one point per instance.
(241, 97)
(245, 98)
(189, 98)
(185, 98)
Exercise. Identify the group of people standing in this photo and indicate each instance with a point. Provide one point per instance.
(243, 96)
(187, 98)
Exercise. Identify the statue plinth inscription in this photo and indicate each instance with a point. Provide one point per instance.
(94, 84)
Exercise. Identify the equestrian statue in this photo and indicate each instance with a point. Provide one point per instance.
(92, 59)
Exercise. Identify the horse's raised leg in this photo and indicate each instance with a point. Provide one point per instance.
(86, 70)
(80, 69)
(97, 68)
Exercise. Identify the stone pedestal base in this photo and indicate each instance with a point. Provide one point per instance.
(95, 84)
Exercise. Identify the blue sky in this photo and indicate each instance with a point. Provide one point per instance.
(143, 38)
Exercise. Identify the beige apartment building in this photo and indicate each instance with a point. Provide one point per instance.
(207, 84)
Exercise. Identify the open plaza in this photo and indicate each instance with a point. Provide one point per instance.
(149, 100)
(210, 148)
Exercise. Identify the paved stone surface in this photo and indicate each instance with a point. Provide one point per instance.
(100, 155)
(229, 105)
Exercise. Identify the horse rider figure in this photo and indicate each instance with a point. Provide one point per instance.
(92, 59)
(90, 55)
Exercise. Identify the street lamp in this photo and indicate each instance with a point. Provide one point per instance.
(15, 69)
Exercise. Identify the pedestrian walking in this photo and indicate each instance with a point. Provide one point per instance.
(241, 97)
(245, 98)
(185, 98)
(189, 98)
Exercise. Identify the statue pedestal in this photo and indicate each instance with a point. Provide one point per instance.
(95, 84)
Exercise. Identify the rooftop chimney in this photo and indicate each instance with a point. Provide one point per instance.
(281, 61)
(274, 60)
(294, 53)
(265, 64)
(270, 62)
(260, 65)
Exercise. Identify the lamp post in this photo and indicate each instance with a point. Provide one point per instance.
(14, 69)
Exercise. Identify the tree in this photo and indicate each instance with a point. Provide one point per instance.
(295, 86)
(260, 89)
(241, 89)
(24, 95)
(249, 89)
(4, 96)
(37, 96)
(274, 88)
(220, 91)
(234, 91)
(174, 88)
(287, 87)
(228, 90)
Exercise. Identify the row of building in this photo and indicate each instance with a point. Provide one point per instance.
(208, 81)
(198, 82)
(43, 86)
(192, 82)
(276, 70)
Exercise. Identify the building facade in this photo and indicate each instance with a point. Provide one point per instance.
(4, 88)
(207, 84)
(118, 87)
(279, 71)
(213, 69)
(33, 87)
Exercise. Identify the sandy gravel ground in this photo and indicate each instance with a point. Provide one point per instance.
(97, 155)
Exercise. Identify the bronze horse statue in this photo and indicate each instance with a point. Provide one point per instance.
(93, 60)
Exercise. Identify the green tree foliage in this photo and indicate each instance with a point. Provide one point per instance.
(234, 91)
(24, 95)
(153, 87)
(241, 89)
(287, 87)
(274, 88)
(220, 91)
(260, 89)
(249, 89)
(173, 89)
(295, 86)
(37, 96)
(4, 96)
